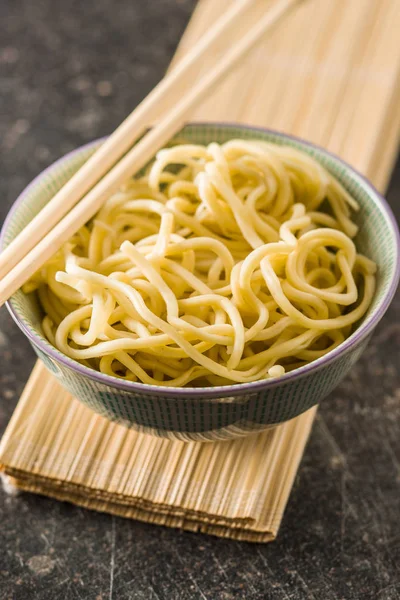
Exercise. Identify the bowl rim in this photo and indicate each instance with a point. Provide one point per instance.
(236, 389)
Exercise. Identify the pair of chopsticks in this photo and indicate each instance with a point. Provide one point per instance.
(118, 158)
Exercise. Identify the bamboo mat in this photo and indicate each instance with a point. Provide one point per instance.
(329, 73)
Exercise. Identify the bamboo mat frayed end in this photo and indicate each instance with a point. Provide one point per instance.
(57, 447)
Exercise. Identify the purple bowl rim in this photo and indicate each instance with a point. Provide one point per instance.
(237, 389)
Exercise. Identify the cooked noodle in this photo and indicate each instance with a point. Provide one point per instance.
(221, 264)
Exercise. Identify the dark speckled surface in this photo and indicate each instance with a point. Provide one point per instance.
(70, 71)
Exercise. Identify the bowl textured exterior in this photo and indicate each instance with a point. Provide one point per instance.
(220, 412)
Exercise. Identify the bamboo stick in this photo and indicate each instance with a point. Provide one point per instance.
(120, 141)
(135, 159)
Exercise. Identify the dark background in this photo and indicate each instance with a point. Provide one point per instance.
(70, 71)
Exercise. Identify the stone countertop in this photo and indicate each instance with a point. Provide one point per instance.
(69, 72)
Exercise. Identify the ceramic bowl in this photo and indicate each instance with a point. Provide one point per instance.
(214, 413)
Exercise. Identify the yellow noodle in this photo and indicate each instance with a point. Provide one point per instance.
(217, 265)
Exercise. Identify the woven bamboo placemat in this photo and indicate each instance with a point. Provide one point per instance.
(56, 446)
(330, 74)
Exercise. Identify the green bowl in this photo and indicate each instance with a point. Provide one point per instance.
(214, 413)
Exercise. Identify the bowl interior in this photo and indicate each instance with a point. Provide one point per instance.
(376, 238)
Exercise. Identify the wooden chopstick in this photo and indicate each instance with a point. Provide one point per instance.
(136, 158)
(118, 143)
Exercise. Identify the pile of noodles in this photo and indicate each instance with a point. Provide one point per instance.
(221, 264)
